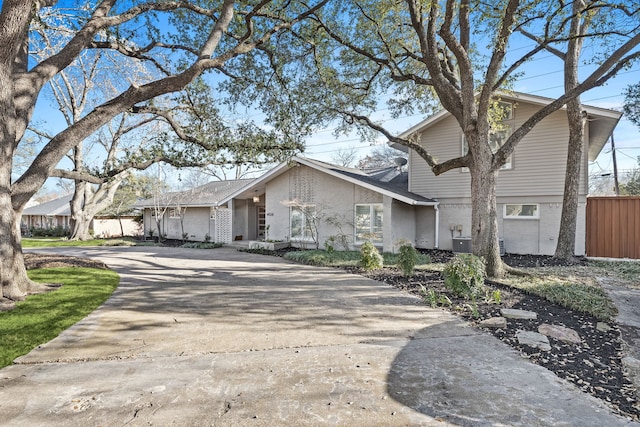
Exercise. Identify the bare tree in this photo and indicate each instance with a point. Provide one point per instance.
(345, 156)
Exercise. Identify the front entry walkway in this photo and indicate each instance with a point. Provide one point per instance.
(222, 338)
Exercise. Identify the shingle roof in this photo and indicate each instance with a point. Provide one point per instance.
(209, 194)
(59, 206)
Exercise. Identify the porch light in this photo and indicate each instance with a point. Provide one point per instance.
(256, 199)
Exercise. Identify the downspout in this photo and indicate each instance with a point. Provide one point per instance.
(437, 232)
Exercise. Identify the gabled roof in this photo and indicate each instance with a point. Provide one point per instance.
(385, 182)
(55, 207)
(602, 121)
(210, 194)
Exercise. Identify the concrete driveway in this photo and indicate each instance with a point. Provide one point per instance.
(223, 338)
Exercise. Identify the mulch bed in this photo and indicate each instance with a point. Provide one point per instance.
(595, 365)
(34, 260)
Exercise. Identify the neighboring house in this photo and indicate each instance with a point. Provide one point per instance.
(308, 202)
(198, 214)
(57, 214)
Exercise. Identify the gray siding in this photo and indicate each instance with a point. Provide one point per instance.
(538, 160)
(536, 176)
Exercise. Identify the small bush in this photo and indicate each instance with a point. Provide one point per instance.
(370, 258)
(201, 245)
(407, 259)
(464, 275)
(118, 242)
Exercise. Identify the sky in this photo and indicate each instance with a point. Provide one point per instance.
(543, 76)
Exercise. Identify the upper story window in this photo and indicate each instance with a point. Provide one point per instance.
(498, 136)
(368, 222)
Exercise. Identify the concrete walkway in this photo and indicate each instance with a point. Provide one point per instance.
(222, 338)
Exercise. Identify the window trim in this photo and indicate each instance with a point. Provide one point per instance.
(508, 164)
(371, 224)
(518, 217)
(304, 237)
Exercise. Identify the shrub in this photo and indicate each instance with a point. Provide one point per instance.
(464, 275)
(370, 258)
(407, 259)
(202, 245)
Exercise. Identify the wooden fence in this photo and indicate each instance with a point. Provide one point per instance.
(613, 227)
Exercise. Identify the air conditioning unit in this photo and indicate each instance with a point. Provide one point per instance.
(463, 245)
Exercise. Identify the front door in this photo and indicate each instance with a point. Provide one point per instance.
(261, 223)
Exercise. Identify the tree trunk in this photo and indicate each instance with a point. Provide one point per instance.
(565, 248)
(484, 223)
(566, 245)
(121, 226)
(15, 283)
(81, 226)
(77, 212)
(88, 202)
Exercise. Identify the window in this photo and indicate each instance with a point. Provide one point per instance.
(174, 213)
(303, 222)
(505, 109)
(369, 222)
(497, 138)
(521, 211)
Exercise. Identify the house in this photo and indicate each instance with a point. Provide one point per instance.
(530, 186)
(56, 215)
(199, 214)
(309, 203)
(49, 215)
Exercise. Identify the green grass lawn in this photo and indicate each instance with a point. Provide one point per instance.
(41, 317)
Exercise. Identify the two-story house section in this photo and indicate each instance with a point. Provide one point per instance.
(530, 186)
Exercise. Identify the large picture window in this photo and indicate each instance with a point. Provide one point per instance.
(368, 222)
(303, 222)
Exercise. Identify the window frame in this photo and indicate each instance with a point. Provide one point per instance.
(535, 216)
(372, 227)
(507, 129)
(304, 210)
